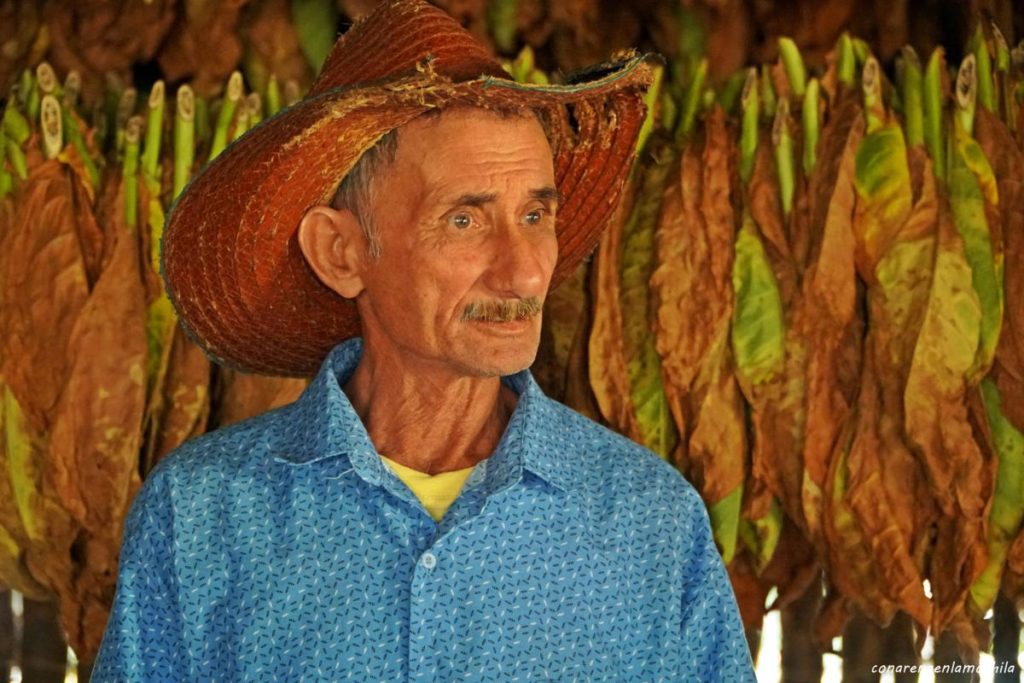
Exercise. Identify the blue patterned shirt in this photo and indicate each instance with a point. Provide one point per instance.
(283, 549)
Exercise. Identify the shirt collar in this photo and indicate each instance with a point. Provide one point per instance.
(322, 424)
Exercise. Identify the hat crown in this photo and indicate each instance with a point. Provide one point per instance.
(395, 38)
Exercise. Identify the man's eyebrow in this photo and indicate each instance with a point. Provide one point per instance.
(547, 194)
(476, 199)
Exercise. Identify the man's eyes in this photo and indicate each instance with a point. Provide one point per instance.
(460, 221)
(464, 220)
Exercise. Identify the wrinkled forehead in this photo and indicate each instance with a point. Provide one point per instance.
(466, 145)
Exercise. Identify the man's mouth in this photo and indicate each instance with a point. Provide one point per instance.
(504, 312)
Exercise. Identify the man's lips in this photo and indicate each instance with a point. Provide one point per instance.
(509, 326)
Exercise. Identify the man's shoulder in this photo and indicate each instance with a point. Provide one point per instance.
(230, 450)
(609, 463)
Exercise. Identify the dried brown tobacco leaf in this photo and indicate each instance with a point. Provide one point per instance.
(240, 396)
(729, 35)
(203, 45)
(578, 394)
(587, 31)
(14, 540)
(766, 209)
(689, 299)
(272, 45)
(830, 294)
(813, 24)
(750, 590)
(779, 418)
(889, 502)
(1008, 165)
(887, 497)
(608, 376)
(185, 399)
(97, 431)
(15, 443)
(853, 569)
(563, 311)
(43, 287)
(692, 289)
(97, 36)
(637, 262)
(793, 568)
(1013, 578)
(19, 26)
(778, 403)
(937, 424)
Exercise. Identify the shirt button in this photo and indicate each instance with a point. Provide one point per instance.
(428, 560)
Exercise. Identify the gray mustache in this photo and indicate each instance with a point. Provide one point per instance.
(502, 310)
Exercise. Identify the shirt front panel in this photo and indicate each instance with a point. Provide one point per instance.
(283, 548)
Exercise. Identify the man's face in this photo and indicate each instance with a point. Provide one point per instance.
(466, 215)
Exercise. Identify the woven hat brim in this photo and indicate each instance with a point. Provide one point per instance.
(229, 254)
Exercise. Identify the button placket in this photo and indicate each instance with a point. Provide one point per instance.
(428, 560)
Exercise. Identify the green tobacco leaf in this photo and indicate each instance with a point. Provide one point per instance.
(657, 430)
(761, 535)
(21, 469)
(725, 521)
(971, 185)
(316, 22)
(1008, 503)
(758, 328)
(885, 197)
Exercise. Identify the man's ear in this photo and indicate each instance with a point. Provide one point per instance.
(334, 245)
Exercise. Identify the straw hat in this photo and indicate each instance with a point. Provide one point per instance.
(229, 254)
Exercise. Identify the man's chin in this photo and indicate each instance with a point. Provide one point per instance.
(501, 359)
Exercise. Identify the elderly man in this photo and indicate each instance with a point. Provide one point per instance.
(423, 512)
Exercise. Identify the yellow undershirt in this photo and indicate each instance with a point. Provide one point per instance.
(436, 491)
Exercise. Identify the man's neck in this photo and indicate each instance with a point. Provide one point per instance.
(425, 417)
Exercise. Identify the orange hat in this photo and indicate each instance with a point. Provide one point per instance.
(230, 256)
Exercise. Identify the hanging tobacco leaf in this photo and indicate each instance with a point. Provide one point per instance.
(563, 310)
(43, 287)
(271, 45)
(974, 200)
(606, 349)
(766, 211)
(240, 396)
(203, 46)
(830, 292)
(1007, 509)
(1013, 579)
(100, 36)
(692, 289)
(19, 25)
(578, 394)
(185, 399)
(1007, 162)
(853, 568)
(750, 590)
(97, 427)
(14, 538)
(936, 422)
(16, 450)
(654, 424)
(757, 337)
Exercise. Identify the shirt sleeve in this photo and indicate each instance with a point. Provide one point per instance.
(143, 637)
(714, 643)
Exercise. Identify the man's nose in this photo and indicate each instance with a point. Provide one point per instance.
(521, 261)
